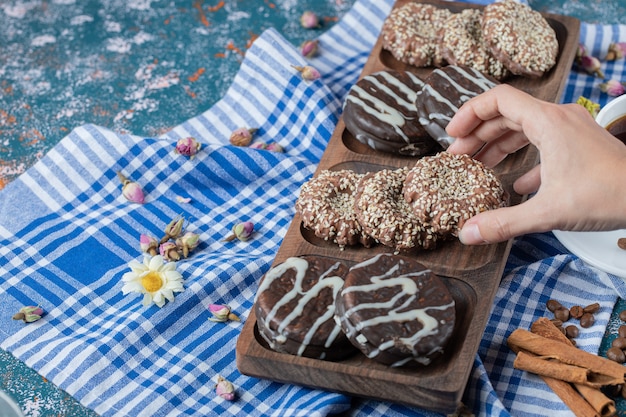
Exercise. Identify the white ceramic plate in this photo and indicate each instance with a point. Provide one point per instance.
(598, 249)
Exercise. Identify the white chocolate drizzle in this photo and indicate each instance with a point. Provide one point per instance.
(430, 325)
(326, 280)
(385, 113)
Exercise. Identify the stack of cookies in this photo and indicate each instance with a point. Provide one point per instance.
(504, 38)
(403, 209)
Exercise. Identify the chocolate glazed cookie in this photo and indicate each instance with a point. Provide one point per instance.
(295, 307)
(444, 92)
(380, 112)
(395, 310)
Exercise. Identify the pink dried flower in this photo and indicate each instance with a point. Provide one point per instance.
(148, 244)
(275, 147)
(29, 314)
(309, 49)
(188, 242)
(242, 136)
(617, 50)
(309, 20)
(308, 72)
(258, 145)
(169, 251)
(225, 389)
(131, 190)
(173, 229)
(613, 88)
(222, 313)
(241, 231)
(591, 65)
(581, 52)
(188, 147)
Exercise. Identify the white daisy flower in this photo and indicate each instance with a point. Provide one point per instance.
(154, 278)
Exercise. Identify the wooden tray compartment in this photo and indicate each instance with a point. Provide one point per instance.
(471, 273)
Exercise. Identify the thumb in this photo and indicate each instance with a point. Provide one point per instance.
(499, 225)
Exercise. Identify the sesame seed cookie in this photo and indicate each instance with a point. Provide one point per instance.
(462, 44)
(520, 37)
(445, 190)
(385, 215)
(326, 205)
(445, 90)
(379, 111)
(410, 33)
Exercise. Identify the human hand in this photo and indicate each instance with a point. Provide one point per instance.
(580, 183)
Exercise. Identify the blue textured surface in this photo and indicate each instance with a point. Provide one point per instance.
(140, 66)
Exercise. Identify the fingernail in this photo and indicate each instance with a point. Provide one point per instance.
(470, 235)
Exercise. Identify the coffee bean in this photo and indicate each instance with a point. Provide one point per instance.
(616, 355)
(576, 312)
(553, 305)
(561, 313)
(571, 331)
(587, 320)
(592, 308)
(622, 315)
(619, 343)
(621, 332)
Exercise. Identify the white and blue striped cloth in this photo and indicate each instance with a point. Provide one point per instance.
(67, 235)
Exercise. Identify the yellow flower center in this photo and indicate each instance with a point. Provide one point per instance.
(152, 281)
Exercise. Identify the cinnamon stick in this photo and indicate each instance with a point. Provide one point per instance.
(596, 399)
(601, 369)
(554, 369)
(600, 402)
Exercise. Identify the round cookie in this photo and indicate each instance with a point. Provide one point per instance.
(410, 33)
(462, 43)
(445, 90)
(295, 306)
(385, 215)
(380, 112)
(446, 189)
(395, 310)
(326, 205)
(520, 37)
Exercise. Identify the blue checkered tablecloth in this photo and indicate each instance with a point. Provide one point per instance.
(67, 235)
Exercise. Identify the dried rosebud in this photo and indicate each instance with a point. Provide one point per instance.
(131, 190)
(309, 49)
(225, 389)
(258, 145)
(613, 88)
(592, 107)
(169, 251)
(241, 231)
(221, 313)
(308, 72)
(617, 50)
(174, 229)
(188, 242)
(148, 244)
(29, 314)
(591, 65)
(242, 136)
(581, 52)
(309, 20)
(187, 146)
(275, 147)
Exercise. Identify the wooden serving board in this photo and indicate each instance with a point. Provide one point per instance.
(472, 273)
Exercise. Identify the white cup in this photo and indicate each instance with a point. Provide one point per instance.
(8, 407)
(613, 110)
